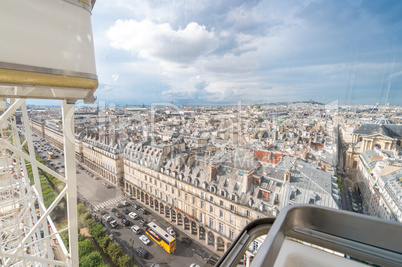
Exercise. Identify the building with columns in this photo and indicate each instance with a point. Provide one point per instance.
(381, 134)
(210, 195)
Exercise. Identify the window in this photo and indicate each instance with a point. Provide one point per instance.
(232, 219)
(186, 197)
(211, 209)
(186, 208)
(201, 217)
(221, 214)
(172, 190)
(186, 188)
(248, 213)
(232, 208)
(231, 233)
(194, 201)
(202, 195)
(221, 228)
(178, 193)
(221, 203)
(211, 199)
(211, 223)
(202, 205)
(145, 177)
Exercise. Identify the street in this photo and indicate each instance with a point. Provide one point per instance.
(93, 190)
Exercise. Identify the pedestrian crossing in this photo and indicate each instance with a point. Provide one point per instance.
(110, 202)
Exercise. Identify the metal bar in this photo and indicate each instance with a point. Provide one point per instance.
(44, 217)
(34, 161)
(360, 236)
(69, 153)
(11, 110)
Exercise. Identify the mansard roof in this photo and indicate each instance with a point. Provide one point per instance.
(389, 130)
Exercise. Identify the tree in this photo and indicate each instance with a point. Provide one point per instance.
(85, 216)
(81, 209)
(104, 242)
(90, 223)
(124, 261)
(115, 252)
(94, 259)
(85, 247)
(97, 232)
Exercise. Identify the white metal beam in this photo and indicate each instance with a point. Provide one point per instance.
(69, 158)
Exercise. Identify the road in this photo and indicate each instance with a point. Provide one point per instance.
(91, 188)
(349, 197)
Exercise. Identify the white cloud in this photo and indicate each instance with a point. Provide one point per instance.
(160, 41)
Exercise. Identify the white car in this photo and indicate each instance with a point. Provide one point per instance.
(144, 239)
(125, 203)
(133, 215)
(136, 229)
(113, 223)
(171, 231)
(194, 265)
(107, 217)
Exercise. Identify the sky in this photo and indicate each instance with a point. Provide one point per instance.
(226, 51)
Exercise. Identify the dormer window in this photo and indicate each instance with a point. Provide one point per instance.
(205, 185)
(223, 192)
(212, 189)
(250, 202)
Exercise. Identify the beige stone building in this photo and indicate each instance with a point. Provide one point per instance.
(104, 159)
(381, 134)
(51, 135)
(209, 196)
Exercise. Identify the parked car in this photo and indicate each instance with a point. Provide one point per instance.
(118, 215)
(133, 215)
(126, 211)
(119, 205)
(194, 265)
(143, 211)
(171, 231)
(107, 217)
(142, 253)
(113, 224)
(144, 239)
(136, 206)
(125, 203)
(125, 222)
(142, 222)
(136, 229)
(113, 209)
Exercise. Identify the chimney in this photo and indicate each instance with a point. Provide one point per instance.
(191, 160)
(212, 170)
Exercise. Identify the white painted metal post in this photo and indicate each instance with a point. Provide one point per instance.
(69, 159)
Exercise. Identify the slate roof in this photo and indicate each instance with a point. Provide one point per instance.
(390, 130)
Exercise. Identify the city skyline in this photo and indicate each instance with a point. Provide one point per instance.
(254, 52)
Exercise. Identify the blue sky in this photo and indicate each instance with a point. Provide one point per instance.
(222, 52)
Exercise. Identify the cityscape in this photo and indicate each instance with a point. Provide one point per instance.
(207, 171)
(200, 133)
